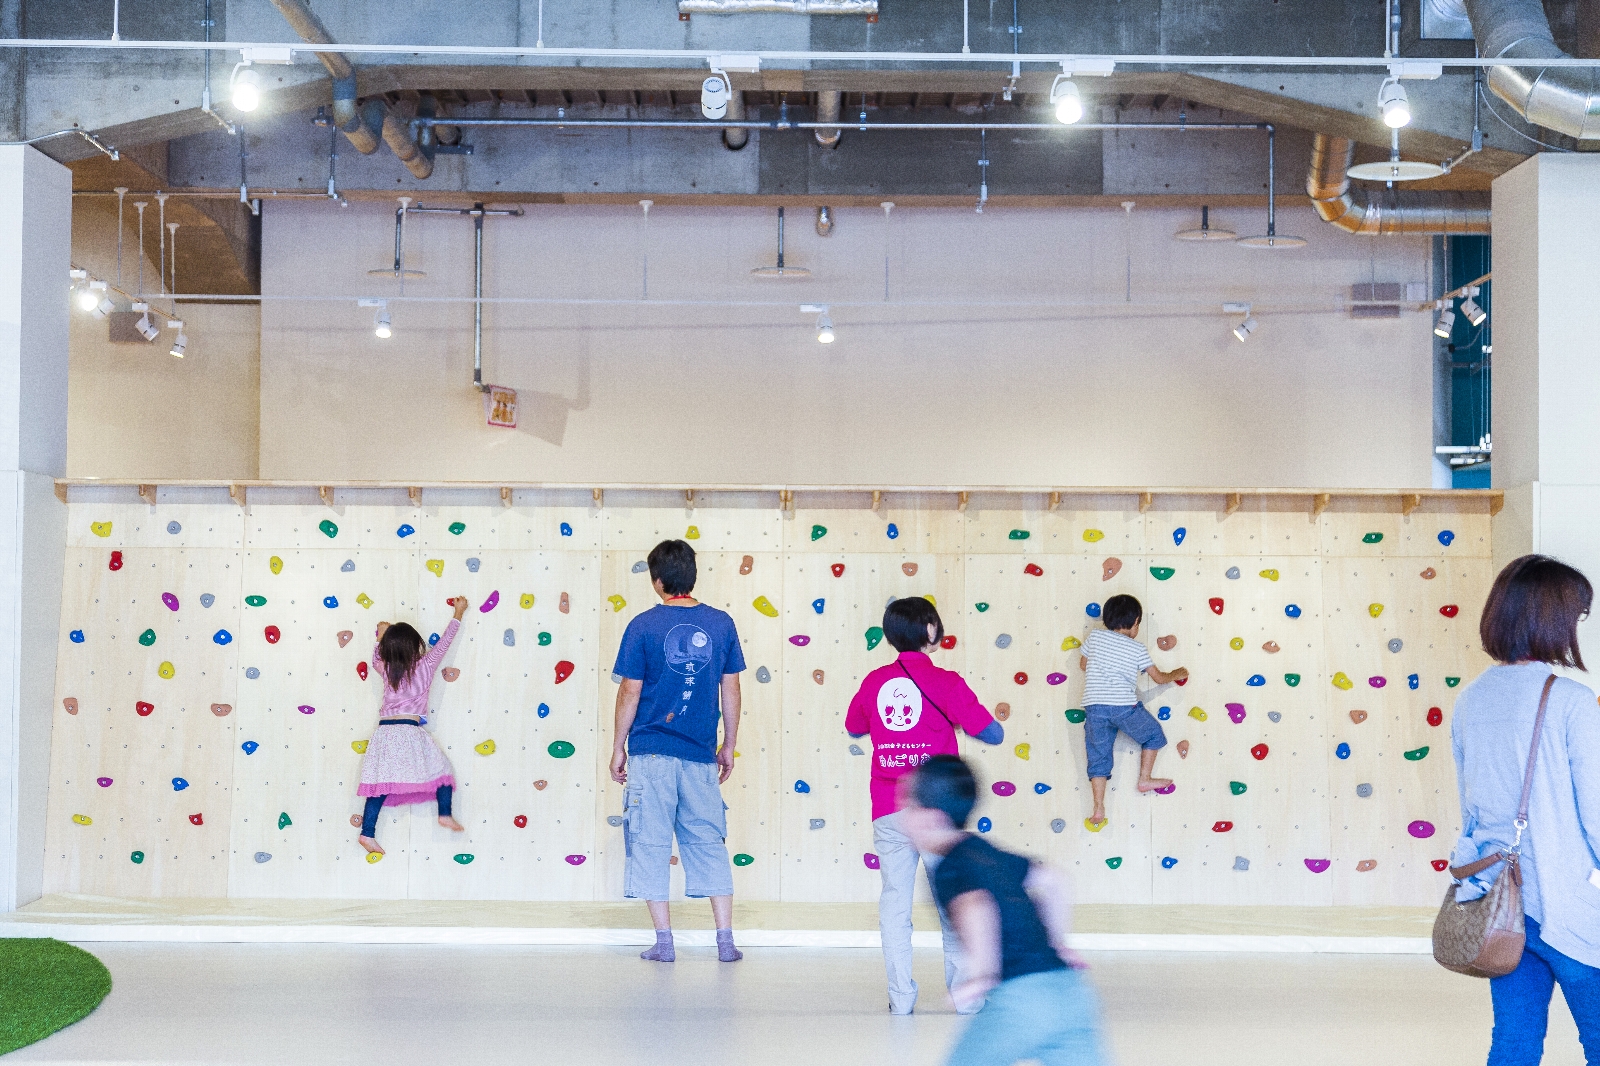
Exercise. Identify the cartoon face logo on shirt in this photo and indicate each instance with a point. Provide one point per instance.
(900, 704)
(688, 650)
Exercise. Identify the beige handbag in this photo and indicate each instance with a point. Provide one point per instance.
(1484, 937)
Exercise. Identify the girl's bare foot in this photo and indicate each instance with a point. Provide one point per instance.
(1099, 816)
(371, 845)
(451, 824)
(1150, 784)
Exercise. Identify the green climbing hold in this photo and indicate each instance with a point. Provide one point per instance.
(1076, 715)
(981, 607)
(1291, 680)
(1114, 862)
(283, 820)
(463, 858)
(817, 533)
(458, 528)
(1372, 538)
(1237, 787)
(256, 601)
(874, 637)
(1161, 573)
(1019, 534)
(137, 857)
(1452, 681)
(544, 640)
(561, 749)
(328, 528)
(742, 859)
(1417, 754)
(148, 637)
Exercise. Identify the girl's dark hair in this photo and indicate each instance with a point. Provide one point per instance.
(672, 563)
(945, 783)
(1121, 612)
(1533, 612)
(401, 648)
(906, 622)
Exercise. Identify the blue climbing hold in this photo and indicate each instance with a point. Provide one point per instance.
(544, 710)
(984, 825)
(76, 636)
(1178, 535)
(510, 638)
(1445, 537)
(1093, 610)
(473, 564)
(433, 638)
(222, 636)
(893, 531)
(251, 672)
(1413, 680)
(1168, 863)
(801, 787)
(1256, 681)
(206, 599)
(173, 527)
(1343, 751)
(1165, 714)
(179, 784)
(566, 529)
(405, 530)
(817, 604)
(249, 747)
(1293, 611)
(330, 602)
(1041, 788)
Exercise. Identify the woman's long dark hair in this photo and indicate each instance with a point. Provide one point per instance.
(401, 648)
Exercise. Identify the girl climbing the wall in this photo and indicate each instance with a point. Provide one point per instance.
(403, 763)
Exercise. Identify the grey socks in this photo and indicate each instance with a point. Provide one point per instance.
(663, 951)
(726, 952)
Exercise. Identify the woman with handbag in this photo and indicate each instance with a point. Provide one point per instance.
(1524, 909)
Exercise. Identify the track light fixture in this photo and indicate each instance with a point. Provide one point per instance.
(92, 295)
(824, 323)
(381, 327)
(1444, 325)
(1065, 99)
(714, 94)
(1475, 314)
(180, 344)
(1243, 330)
(1393, 103)
(245, 88)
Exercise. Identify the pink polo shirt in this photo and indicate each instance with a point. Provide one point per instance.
(911, 719)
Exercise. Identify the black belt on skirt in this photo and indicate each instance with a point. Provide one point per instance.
(398, 721)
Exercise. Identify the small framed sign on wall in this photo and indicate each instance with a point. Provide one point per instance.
(500, 406)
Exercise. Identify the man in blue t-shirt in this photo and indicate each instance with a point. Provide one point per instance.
(680, 664)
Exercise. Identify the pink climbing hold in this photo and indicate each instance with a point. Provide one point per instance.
(1318, 866)
(103, 782)
(1004, 788)
(576, 860)
(1235, 712)
(306, 708)
(1420, 829)
(871, 860)
(1056, 679)
(491, 603)
(1377, 682)
(1166, 790)
(170, 600)
(799, 640)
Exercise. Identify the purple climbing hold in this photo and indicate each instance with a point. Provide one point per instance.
(1420, 829)
(103, 782)
(306, 708)
(1235, 712)
(1003, 788)
(1056, 679)
(1377, 682)
(1318, 866)
(170, 600)
(1166, 790)
(799, 640)
(491, 603)
(871, 860)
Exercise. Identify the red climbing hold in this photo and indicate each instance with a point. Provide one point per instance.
(1441, 864)
(272, 634)
(116, 561)
(1259, 752)
(520, 821)
(838, 570)
(1449, 610)
(947, 643)
(1216, 604)
(563, 671)
(1435, 716)
(361, 671)
(1182, 681)
(197, 819)
(1033, 570)
(1020, 678)
(1221, 827)
(144, 708)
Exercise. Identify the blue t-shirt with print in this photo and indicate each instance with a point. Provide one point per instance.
(681, 655)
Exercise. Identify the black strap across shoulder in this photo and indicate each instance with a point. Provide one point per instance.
(901, 664)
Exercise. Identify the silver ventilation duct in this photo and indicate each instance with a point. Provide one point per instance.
(735, 137)
(778, 7)
(362, 133)
(1563, 99)
(1410, 212)
(828, 105)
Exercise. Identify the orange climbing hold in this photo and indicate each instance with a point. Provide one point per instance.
(1110, 568)
(1358, 717)
(1002, 711)
(1167, 643)
(908, 569)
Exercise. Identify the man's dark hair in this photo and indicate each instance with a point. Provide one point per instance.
(906, 622)
(1121, 612)
(1533, 612)
(672, 564)
(944, 783)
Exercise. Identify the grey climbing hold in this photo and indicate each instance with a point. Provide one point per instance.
(616, 678)
(614, 819)
(763, 675)
(1241, 863)
(1003, 640)
(1396, 644)
(347, 567)
(855, 749)
(1233, 575)
(252, 673)
(641, 567)
(889, 601)
(818, 823)
(1364, 790)
(206, 599)
(1274, 716)
(473, 564)
(173, 527)
(510, 639)
(263, 856)
(1059, 825)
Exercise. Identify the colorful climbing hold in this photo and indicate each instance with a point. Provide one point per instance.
(179, 784)
(1292, 680)
(374, 857)
(1070, 643)
(1003, 641)
(1445, 537)
(1221, 827)
(1274, 717)
(1020, 677)
(1420, 829)
(1056, 679)
(1003, 788)
(330, 602)
(1161, 573)
(1114, 862)
(491, 603)
(1237, 643)
(947, 641)
(1232, 573)
(544, 639)
(197, 819)
(1449, 610)
(486, 748)
(1318, 866)
(473, 564)
(1270, 575)
(617, 602)
(1441, 865)
(1429, 574)
(1364, 790)
(874, 637)
(1040, 788)
(1110, 568)
(544, 710)
(799, 640)
(1377, 682)
(166, 671)
(802, 788)
(1435, 716)
(1197, 714)
(364, 600)
(1395, 644)
(347, 567)
(980, 607)
(1183, 749)
(170, 601)
(1092, 610)
(463, 858)
(250, 746)
(837, 568)
(1165, 713)
(1374, 609)
(450, 673)
(870, 860)
(893, 533)
(1178, 534)
(206, 600)
(763, 675)
(1341, 681)
(83, 819)
(819, 604)
(1292, 610)
(1259, 752)
(143, 709)
(306, 708)
(148, 637)
(116, 561)
(1417, 754)
(1168, 863)
(1238, 788)
(1076, 715)
(564, 670)
(1236, 712)
(1093, 826)
(1371, 538)
(329, 530)
(764, 606)
(273, 634)
(1216, 604)
(1255, 680)
(1452, 682)
(1358, 717)
(561, 749)
(541, 784)
(275, 564)
(100, 529)
(1033, 570)
(71, 704)
(359, 746)
(1019, 534)
(1092, 535)
(137, 857)
(818, 532)
(1342, 751)
(1002, 711)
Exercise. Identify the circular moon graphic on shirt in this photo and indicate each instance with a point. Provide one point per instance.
(900, 704)
(688, 650)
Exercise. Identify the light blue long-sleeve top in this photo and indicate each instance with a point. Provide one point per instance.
(1490, 735)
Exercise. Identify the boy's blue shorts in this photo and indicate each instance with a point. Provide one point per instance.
(1100, 732)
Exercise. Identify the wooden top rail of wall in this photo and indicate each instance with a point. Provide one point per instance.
(1314, 501)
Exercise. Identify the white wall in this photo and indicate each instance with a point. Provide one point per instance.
(953, 380)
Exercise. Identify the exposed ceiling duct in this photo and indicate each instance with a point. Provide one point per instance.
(735, 137)
(1563, 99)
(778, 7)
(361, 132)
(1407, 212)
(403, 143)
(828, 104)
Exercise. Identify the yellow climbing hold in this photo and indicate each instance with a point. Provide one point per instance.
(100, 529)
(276, 564)
(1070, 643)
(617, 602)
(1197, 714)
(693, 534)
(84, 819)
(930, 599)
(1342, 682)
(526, 601)
(1374, 609)
(364, 600)
(1093, 826)
(167, 671)
(1237, 643)
(360, 746)
(374, 856)
(1270, 575)
(764, 605)
(437, 566)
(486, 748)
(1092, 535)
(1023, 750)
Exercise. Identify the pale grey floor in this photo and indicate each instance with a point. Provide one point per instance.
(399, 1006)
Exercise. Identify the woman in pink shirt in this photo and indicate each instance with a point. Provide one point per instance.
(911, 708)
(403, 763)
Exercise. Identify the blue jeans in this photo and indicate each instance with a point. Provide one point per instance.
(1522, 1004)
(1100, 732)
(1053, 1017)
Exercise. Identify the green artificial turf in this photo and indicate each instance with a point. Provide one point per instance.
(45, 985)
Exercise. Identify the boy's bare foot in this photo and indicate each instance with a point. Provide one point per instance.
(451, 824)
(1099, 816)
(371, 845)
(1150, 784)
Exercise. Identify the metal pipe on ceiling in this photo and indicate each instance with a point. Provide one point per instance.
(735, 136)
(829, 102)
(350, 120)
(1564, 100)
(776, 124)
(1328, 185)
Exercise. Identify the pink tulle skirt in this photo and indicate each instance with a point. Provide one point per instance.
(404, 763)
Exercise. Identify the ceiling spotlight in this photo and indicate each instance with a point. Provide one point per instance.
(182, 341)
(1393, 103)
(714, 94)
(1475, 314)
(246, 88)
(147, 329)
(92, 293)
(1245, 328)
(824, 330)
(1445, 323)
(1065, 100)
(380, 324)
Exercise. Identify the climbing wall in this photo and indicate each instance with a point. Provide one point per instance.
(215, 691)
